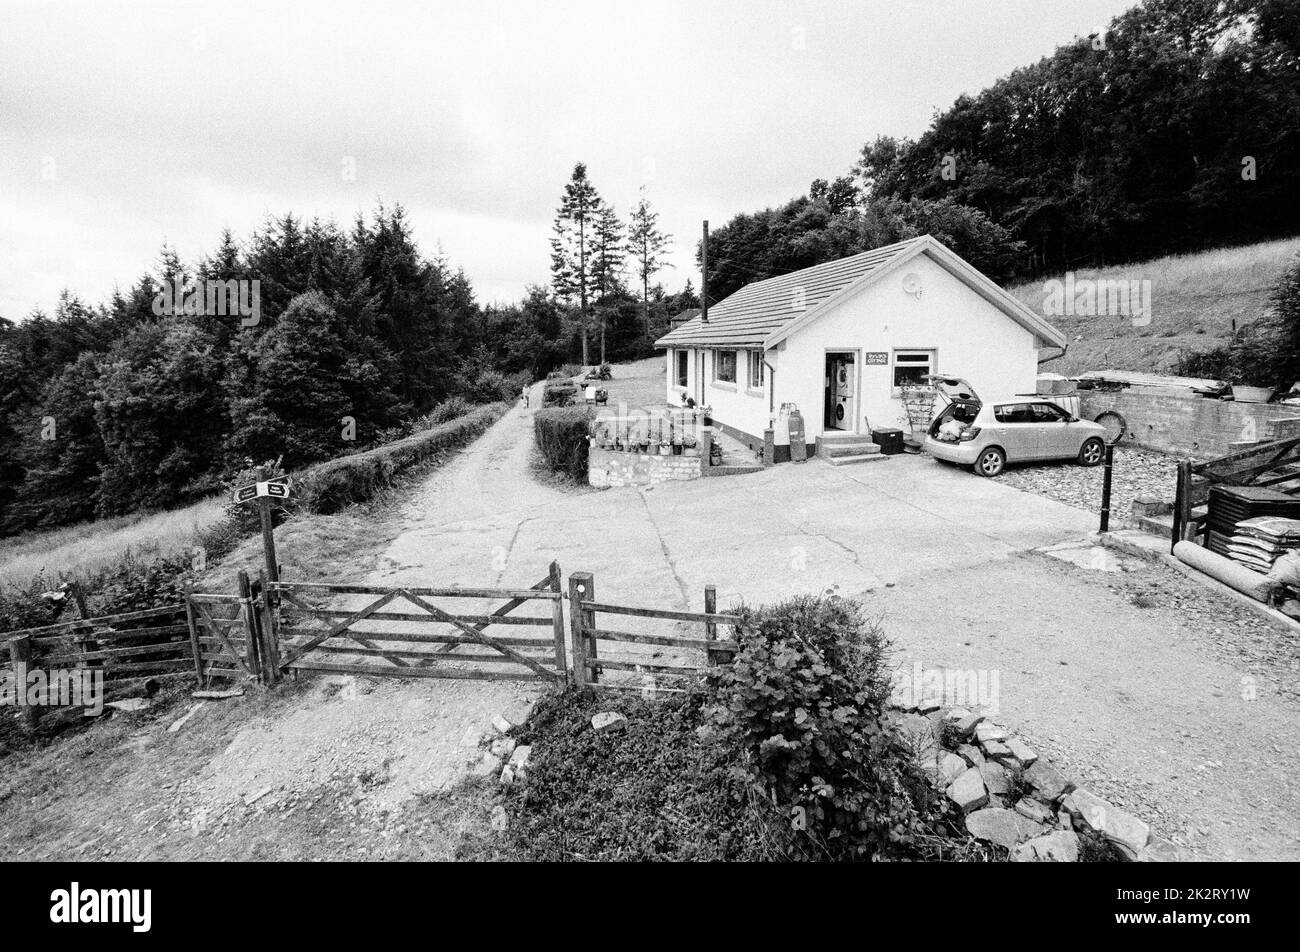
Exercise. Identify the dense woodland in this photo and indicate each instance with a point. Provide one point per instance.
(1176, 129)
(114, 408)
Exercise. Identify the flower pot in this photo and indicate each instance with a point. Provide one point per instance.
(665, 449)
(693, 451)
(677, 449)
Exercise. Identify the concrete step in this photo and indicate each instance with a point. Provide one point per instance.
(1157, 525)
(847, 445)
(840, 436)
(856, 458)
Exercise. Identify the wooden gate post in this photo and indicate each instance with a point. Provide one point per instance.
(710, 628)
(269, 633)
(557, 618)
(20, 656)
(195, 644)
(251, 651)
(582, 586)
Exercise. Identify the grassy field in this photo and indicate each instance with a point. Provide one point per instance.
(80, 552)
(1195, 300)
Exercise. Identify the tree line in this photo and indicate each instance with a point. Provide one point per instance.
(124, 406)
(1175, 129)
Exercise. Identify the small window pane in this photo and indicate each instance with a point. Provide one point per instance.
(724, 366)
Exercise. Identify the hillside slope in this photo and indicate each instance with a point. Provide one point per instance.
(1195, 300)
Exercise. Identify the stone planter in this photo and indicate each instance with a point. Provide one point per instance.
(1251, 394)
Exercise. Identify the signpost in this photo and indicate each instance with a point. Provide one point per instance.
(265, 492)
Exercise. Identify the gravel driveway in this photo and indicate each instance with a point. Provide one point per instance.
(1136, 473)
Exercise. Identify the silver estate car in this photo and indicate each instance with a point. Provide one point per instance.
(988, 435)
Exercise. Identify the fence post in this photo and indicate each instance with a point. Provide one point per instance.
(195, 644)
(20, 656)
(269, 633)
(250, 627)
(557, 618)
(582, 586)
(1105, 487)
(710, 628)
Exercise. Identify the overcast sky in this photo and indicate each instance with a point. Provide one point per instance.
(124, 125)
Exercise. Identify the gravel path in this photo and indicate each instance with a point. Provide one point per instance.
(1135, 473)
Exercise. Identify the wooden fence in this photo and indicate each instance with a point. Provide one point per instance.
(591, 662)
(229, 634)
(129, 648)
(1273, 465)
(312, 636)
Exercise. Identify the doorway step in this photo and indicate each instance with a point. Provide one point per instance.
(847, 449)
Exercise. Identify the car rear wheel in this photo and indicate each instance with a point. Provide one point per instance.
(991, 462)
(1092, 452)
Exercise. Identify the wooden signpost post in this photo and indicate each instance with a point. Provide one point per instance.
(265, 492)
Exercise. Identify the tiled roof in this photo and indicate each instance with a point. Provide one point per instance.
(757, 310)
(762, 313)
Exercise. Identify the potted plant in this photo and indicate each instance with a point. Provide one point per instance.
(690, 446)
(707, 412)
(665, 448)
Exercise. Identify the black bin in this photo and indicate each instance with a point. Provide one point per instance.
(889, 441)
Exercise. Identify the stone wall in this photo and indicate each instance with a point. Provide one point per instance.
(1192, 426)
(607, 468)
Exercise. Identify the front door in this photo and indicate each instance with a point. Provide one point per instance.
(840, 383)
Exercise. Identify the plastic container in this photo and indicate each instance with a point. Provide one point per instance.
(890, 441)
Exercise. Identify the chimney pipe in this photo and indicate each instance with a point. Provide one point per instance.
(704, 280)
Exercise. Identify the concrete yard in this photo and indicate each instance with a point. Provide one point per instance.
(1138, 697)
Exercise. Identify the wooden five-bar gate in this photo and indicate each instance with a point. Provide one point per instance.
(269, 628)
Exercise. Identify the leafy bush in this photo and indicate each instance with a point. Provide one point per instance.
(330, 486)
(804, 700)
(561, 434)
(559, 395)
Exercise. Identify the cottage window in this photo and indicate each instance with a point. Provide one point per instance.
(912, 366)
(756, 370)
(724, 366)
(683, 364)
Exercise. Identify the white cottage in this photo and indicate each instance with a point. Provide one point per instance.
(838, 341)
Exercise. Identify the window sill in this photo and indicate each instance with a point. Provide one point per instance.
(750, 391)
(723, 385)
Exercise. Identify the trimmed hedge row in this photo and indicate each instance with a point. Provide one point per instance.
(329, 486)
(561, 434)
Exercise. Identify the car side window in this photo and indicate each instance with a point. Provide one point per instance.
(1048, 413)
(1012, 413)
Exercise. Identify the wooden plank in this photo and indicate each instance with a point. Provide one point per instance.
(206, 616)
(485, 620)
(476, 634)
(20, 659)
(672, 641)
(196, 648)
(452, 673)
(430, 656)
(50, 641)
(297, 652)
(701, 617)
(420, 638)
(556, 580)
(580, 584)
(326, 587)
(210, 599)
(614, 665)
(67, 626)
(136, 651)
(181, 664)
(502, 612)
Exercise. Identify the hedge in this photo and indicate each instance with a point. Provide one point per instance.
(329, 486)
(561, 434)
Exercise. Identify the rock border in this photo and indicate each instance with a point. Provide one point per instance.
(1013, 797)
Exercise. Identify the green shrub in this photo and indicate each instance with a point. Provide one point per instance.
(561, 434)
(803, 699)
(559, 395)
(328, 487)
